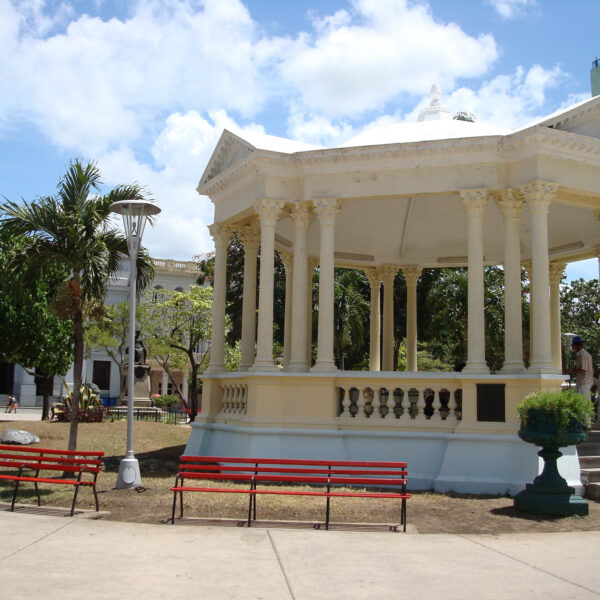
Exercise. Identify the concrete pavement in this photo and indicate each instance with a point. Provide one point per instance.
(23, 414)
(60, 557)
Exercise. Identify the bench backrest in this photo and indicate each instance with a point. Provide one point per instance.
(47, 459)
(299, 471)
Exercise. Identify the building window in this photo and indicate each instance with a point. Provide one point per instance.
(41, 381)
(169, 388)
(101, 374)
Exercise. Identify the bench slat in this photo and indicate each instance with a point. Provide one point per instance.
(292, 461)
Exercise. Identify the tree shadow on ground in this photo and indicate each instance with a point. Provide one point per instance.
(163, 461)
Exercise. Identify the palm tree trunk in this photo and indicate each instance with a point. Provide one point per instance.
(77, 371)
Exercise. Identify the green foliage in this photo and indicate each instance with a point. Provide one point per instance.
(110, 332)
(561, 407)
(90, 407)
(180, 322)
(165, 400)
(73, 230)
(580, 314)
(233, 356)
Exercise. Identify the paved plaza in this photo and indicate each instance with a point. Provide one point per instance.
(61, 557)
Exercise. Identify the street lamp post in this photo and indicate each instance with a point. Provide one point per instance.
(135, 214)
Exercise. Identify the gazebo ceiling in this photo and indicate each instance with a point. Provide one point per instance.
(400, 200)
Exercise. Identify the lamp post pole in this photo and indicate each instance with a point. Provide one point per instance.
(135, 213)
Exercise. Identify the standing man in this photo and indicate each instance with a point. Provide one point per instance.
(584, 369)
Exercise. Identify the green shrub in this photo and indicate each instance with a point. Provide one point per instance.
(165, 400)
(562, 407)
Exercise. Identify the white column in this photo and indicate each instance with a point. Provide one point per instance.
(312, 265)
(327, 210)
(510, 203)
(411, 276)
(374, 276)
(389, 273)
(221, 234)
(268, 210)
(250, 238)
(475, 202)
(164, 381)
(287, 260)
(556, 273)
(538, 195)
(301, 215)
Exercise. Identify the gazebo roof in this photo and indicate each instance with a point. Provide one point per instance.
(399, 184)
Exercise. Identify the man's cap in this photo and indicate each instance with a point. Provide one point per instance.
(576, 340)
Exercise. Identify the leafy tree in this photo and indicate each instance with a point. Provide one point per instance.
(110, 332)
(580, 313)
(73, 229)
(182, 321)
(32, 334)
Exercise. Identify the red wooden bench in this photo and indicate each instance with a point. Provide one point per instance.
(56, 462)
(376, 479)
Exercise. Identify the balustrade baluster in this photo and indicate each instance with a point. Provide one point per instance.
(376, 403)
(452, 406)
(237, 400)
(391, 404)
(244, 408)
(346, 402)
(360, 404)
(404, 405)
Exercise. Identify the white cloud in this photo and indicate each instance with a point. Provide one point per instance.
(181, 151)
(511, 9)
(508, 100)
(361, 61)
(104, 82)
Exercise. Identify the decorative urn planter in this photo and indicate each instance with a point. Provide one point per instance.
(553, 420)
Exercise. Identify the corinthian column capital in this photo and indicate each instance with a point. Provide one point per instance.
(301, 213)
(268, 210)
(250, 236)
(474, 201)
(388, 273)
(510, 202)
(221, 233)
(556, 271)
(373, 275)
(539, 194)
(326, 209)
(411, 274)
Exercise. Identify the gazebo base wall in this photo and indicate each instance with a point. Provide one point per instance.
(465, 463)
(379, 416)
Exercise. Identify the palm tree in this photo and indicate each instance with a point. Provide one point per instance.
(73, 229)
(351, 311)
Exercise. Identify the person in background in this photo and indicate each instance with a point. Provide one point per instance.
(11, 404)
(584, 368)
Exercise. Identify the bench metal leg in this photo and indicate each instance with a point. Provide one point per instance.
(37, 491)
(96, 497)
(251, 500)
(74, 500)
(327, 514)
(14, 498)
(174, 506)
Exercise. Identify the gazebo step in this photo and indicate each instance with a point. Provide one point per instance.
(592, 491)
(590, 475)
(589, 449)
(589, 462)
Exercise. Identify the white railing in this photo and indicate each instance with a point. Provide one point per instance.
(401, 402)
(235, 398)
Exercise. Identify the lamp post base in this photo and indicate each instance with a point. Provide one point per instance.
(129, 474)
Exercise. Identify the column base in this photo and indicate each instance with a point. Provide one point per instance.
(264, 366)
(479, 368)
(514, 368)
(297, 367)
(324, 368)
(543, 368)
(215, 369)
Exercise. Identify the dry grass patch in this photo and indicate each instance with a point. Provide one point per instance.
(158, 447)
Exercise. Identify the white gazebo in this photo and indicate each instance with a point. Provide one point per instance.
(431, 194)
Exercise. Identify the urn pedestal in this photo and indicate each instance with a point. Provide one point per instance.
(549, 493)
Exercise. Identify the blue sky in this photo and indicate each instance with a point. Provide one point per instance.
(146, 87)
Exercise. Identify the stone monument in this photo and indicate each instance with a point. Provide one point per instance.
(141, 371)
